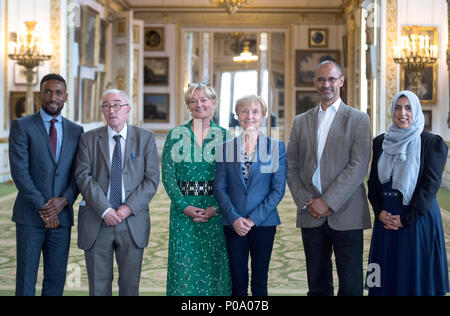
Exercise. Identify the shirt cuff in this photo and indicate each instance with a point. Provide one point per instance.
(107, 210)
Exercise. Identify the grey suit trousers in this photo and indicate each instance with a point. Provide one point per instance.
(100, 261)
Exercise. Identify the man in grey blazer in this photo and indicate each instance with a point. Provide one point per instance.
(117, 173)
(328, 157)
(42, 149)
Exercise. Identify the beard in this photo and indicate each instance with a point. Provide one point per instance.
(52, 108)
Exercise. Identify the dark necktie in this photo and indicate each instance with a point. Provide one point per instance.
(53, 136)
(115, 186)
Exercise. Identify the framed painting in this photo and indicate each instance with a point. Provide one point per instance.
(156, 108)
(154, 38)
(318, 38)
(88, 101)
(156, 71)
(423, 82)
(103, 39)
(100, 88)
(89, 37)
(17, 104)
(428, 115)
(307, 60)
(305, 100)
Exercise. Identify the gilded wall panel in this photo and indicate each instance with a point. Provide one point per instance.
(391, 67)
(55, 35)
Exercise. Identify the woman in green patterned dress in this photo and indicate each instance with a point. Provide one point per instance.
(198, 261)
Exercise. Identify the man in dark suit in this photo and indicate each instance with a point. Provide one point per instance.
(328, 157)
(42, 150)
(117, 172)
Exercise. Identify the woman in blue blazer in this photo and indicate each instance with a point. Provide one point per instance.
(250, 183)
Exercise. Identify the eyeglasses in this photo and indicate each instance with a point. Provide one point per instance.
(199, 84)
(116, 107)
(331, 80)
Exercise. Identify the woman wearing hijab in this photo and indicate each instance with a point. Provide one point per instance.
(408, 249)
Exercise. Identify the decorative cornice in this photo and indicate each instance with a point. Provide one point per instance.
(218, 19)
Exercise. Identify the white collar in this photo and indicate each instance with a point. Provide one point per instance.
(123, 132)
(334, 106)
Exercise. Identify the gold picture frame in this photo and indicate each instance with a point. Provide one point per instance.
(318, 38)
(306, 62)
(156, 108)
(88, 101)
(427, 76)
(427, 87)
(154, 38)
(17, 104)
(90, 37)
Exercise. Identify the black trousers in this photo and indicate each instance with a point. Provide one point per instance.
(258, 243)
(319, 243)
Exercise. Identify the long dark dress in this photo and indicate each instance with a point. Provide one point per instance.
(412, 260)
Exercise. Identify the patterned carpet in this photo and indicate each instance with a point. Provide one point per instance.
(287, 274)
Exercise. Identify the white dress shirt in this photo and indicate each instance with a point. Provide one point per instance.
(325, 119)
(112, 144)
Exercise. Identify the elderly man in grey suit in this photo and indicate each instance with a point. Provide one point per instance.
(117, 173)
(328, 157)
(42, 149)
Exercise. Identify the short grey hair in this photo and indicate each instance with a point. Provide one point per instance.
(338, 67)
(123, 93)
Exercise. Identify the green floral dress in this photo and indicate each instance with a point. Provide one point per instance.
(198, 260)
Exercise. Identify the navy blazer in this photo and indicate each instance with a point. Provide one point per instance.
(265, 187)
(36, 174)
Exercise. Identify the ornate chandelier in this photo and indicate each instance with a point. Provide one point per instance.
(246, 55)
(415, 50)
(231, 6)
(29, 50)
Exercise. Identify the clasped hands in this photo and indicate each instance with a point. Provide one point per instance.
(114, 217)
(200, 215)
(391, 222)
(49, 212)
(317, 208)
(243, 225)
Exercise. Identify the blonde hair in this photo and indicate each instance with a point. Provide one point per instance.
(204, 87)
(249, 100)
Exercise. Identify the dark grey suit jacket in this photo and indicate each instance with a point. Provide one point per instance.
(343, 167)
(140, 177)
(35, 172)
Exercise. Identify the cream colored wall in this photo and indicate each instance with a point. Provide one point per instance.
(432, 13)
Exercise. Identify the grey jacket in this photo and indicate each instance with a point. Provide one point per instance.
(343, 167)
(140, 177)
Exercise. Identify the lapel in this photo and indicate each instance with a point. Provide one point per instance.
(336, 127)
(237, 161)
(103, 144)
(263, 151)
(66, 137)
(41, 127)
(130, 145)
(312, 120)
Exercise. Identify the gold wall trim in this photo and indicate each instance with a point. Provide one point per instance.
(391, 67)
(55, 35)
(5, 73)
